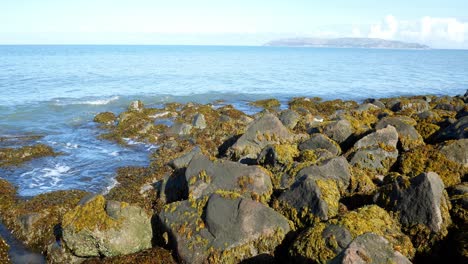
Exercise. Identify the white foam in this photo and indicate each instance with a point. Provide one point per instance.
(71, 146)
(113, 183)
(163, 114)
(101, 101)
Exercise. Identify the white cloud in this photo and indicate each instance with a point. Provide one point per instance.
(386, 30)
(434, 31)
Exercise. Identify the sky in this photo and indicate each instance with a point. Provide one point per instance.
(439, 24)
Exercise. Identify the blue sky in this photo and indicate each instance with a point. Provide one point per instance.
(442, 24)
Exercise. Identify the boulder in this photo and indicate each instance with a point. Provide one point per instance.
(184, 160)
(320, 141)
(279, 160)
(199, 121)
(266, 130)
(456, 151)
(179, 129)
(136, 106)
(339, 130)
(105, 118)
(423, 207)
(413, 105)
(335, 168)
(370, 248)
(225, 228)
(289, 118)
(407, 134)
(98, 227)
(457, 130)
(205, 177)
(310, 199)
(376, 151)
(375, 102)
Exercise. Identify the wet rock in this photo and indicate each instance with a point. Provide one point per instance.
(423, 208)
(205, 177)
(4, 258)
(289, 118)
(232, 229)
(458, 130)
(98, 227)
(17, 156)
(339, 131)
(184, 160)
(456, 151)
(266, 130)
(376, 151)
(199, 121)
(179, 129)
(370, 248)
(320, 141)
(105, 118)
(320, 243)
(407, 134)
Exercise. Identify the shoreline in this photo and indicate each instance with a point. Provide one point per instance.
(359, 162)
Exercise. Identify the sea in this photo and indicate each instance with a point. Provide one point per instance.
(50, 94)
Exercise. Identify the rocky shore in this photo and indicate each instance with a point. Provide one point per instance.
(383, 181)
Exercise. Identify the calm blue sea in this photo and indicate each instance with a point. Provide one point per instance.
(55, 91)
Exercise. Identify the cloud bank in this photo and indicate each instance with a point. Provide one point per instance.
(434, 31)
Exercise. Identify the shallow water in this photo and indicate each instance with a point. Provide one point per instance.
(54, 92)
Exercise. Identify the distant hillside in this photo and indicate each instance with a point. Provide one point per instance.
(346, 43)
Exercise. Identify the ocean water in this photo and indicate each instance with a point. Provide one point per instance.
(55, 91)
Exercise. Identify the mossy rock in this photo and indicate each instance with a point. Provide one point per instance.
(320, 243)
(105, 118)
(4, 258)
(376, 220)
(98, 227)
(267, 103)
(408, 135)
(362, 182)
(428, 158)
(17, 156)
(427, 130)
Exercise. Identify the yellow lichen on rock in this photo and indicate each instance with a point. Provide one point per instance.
(90, 216)
(330, 194)
(312, 245)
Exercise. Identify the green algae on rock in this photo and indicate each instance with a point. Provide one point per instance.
(105, 118)
(17, 156)
(267, 103)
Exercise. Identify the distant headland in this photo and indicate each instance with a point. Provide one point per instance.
(372, 43)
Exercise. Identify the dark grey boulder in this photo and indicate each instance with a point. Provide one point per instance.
(184, 160)
(407, 134)
(266, 130)
(314, 195)
(222, 229)
(366, 107)
(456, 151)
(289, 118)
(320, 141)
(370, 248)
(339, 130)
(457, 130)
(205, 177)
(234, 221)
(387, 136)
